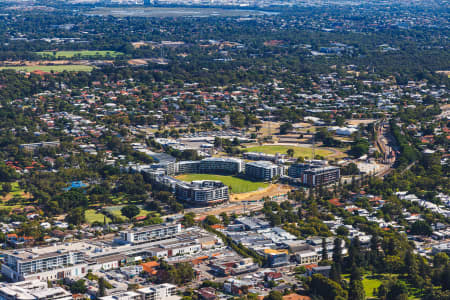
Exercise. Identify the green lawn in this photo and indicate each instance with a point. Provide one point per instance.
(16, 191)
(115, 210)
(369, 284)
(55, 68)
(298, 151)
(85, 53)
(92, 216)
(236, 185)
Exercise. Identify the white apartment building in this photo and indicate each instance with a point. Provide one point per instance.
(164, 291)
(308, 257)
(32, 290)
(149, 233)
(28, 265)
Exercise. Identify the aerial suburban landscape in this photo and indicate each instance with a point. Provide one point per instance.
(224, 150)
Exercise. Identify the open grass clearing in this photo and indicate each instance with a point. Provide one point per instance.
(16, 191)
(237, 185)
(115, 210)
(373, 281)
(282, 149)
(93, 216)
(56, 68)
(81, 54)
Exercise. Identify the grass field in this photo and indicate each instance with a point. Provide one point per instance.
(92, 216)
(236, 185)
(298, 151)
(85, 53)
(55, 68)
(115, 210)
(16, 191)
(370, 284)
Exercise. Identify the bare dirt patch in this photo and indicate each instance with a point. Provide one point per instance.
(272, 190)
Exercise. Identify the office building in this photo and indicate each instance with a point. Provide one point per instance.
(277, 258)
(307, 257)
(262, 170)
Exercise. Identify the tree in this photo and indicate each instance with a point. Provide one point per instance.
(335, 272)
(356, 291)
(211, 220)
(337, 252)
(285, 127)
(326, 288)
(76, 216)
(342, 231)
(274, 295)
(440, 260)
(188, 220)
(397, 290)
(225, 218)
(421, 228)
(78, 287)
(6, 188)
(101, 287)
(354, 253)
(359, 148)
(290, 152)
(130, 211)
(324, 249)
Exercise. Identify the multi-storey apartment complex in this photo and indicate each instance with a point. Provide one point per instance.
(296, 170)
(262, 170)
(27, 265)
(32, 290)
(321, 176)
(220, 165)
(155, 292)
(189, 166)
(314, 173)
(149, 233)
(202, 191)
(263, 156)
